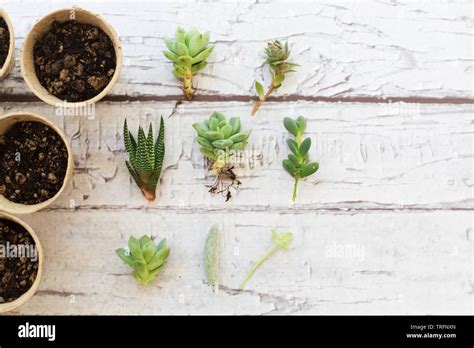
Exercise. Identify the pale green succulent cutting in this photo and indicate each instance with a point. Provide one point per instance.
(145, 158)
(220, 139)
(146, 258)
(188, 51)
(211, 258)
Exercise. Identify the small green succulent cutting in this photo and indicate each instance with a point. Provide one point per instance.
(280, 241)
(188, 52)
(211, 258)
(298, 164)
(220, 140)
(145, 158)
(277, 58)
(146, 258)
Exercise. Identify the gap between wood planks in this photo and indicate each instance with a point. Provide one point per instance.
(27, 98)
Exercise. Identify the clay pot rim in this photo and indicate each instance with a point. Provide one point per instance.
(19, 208)
(29, 74)
(10, 60)
(9, 306)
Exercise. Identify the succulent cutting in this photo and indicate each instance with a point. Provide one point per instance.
(146, 258)
(188, 52)
(277, 57)
(298, 164)
(280, 241)
(211, 258)
(220, 141)
(145, 158)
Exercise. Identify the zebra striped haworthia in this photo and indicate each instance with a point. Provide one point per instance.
(145, 158)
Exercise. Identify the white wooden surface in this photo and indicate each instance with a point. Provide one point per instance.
(386, 224)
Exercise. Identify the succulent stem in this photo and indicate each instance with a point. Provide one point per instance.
(259, 103)
(258, 264)
(188, 84)
(295, 189)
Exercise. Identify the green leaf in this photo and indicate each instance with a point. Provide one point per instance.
(289, 167)
(184, 60)
(236, 138)
(294, 160)
(199, 66)
(213, 124)
(195, 45)
(148, 251)
(235, 123)
(169, 45)
(181, 50)
(190, 34)
(304, 147)
(222, 143)
(159, 150)
(260, 90)
(204, 142)
(143, 165)
(301, 122)
(124, 256)
(201, 129)
(211, 258)
(159, 259)
(293, 146)
(239, 146)
(208, 153)
(203, 55)
(282, 240)
(214, 135)
(226, 130)
(134, 246)
(180, 35)
(150, 146)
(309, 169)
(171, 56)
(291, 126)
(277, 80)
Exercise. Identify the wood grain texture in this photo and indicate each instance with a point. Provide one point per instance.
(346, 48)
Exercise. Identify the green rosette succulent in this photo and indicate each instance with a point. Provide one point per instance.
(146, 258)
(188, 52)
(219, 141)
(277, 57)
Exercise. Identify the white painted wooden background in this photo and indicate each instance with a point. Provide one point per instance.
(394, 189)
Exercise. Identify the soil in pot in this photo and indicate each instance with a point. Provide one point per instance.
(18, 261)
(4, 41)
(74, 61)
(33, 163)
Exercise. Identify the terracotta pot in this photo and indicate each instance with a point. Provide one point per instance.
(10, 61)
(43, 26)
(16, 208)
(9, 306)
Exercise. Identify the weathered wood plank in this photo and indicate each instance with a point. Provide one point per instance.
(345, 48)
(338, 264)
(372, 156)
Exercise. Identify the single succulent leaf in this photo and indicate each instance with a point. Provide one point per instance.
(278, 79)
(201, 129)
(218, 115)
(204, 142)
(160, 149)
(236, 138)
(161, 245)
(197, 67)
(296, 162)
(304, 147)
(293, 146)
(150, 146)
(301, 122)
(181, 51)
(135, 250)
(213, 123)
(158, 259)
(169, 45)
(170, 55)
(291, 126)
(289, 167)
(208, 153)
(222, 143)
(184, 60)
(235, 123)
(214, 135)
(260, 91)
(180, 35)
(309, 169)
(226, 130)
(178, 73)
(239, 146)
(203, 55)
(190, 34)
(195, 45)
(148, 251)
(143, 165)
(124, 256)
(211, 258)
(282, 240)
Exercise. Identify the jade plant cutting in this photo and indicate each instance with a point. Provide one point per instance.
(220, 142)
(280, 241)
(298, 164)
(188, 52)
(277, 57)
(145, 158)
(146, 258)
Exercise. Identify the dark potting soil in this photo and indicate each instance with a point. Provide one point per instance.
(18, 261)
(4, 41)
(74, 61)
(33, 163)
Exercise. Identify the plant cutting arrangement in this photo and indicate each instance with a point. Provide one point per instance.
(220, 141)
(276, 57)
(298, 164)
(7, 45)
(21, 262)
(188, 52)
(146, 258)
(145, 158)
(71, 56)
